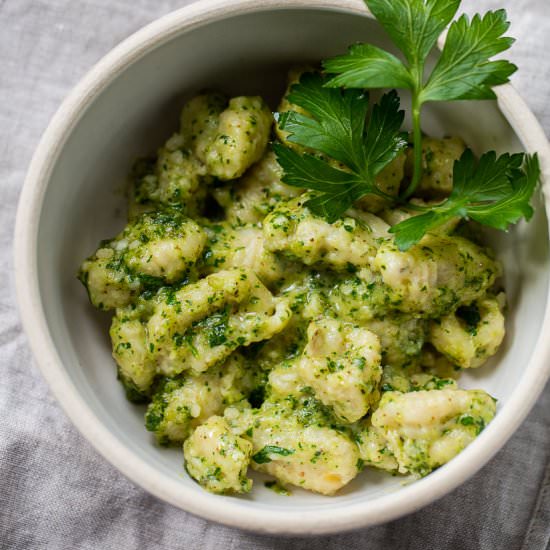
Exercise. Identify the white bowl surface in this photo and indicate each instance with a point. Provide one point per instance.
(73, 197)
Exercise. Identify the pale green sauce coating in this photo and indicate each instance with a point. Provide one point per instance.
(418, 431)
(341, 362)
(217, 458)
(293, 231)
(256, 194)
(180, 404)
(158, 248)
(260, 336)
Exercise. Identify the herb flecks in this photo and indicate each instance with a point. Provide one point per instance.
(264, 455)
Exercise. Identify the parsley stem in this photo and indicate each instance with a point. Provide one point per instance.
(417, 147)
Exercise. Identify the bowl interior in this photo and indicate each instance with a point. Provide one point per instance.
(244, 54)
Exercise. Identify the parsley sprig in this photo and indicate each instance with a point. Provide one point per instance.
(463, 71)
(337, 128)
(346, 149)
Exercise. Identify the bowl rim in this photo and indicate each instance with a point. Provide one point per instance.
(231, 511)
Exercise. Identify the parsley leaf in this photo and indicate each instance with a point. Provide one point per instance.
(496, 191)
(367, 66)
(262, 456)
(337, 120)
(463, 71)
(337, 128)
(511, 208)
(340, 189)
(414, 25)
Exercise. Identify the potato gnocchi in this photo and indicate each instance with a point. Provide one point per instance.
(261, 336)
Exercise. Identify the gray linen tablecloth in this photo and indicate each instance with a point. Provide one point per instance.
(56, 492)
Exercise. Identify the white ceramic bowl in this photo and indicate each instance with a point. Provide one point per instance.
(124, 107)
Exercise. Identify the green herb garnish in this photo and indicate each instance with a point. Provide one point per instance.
(494, 191)
(463, 70)
(345, 152)
(337, 128)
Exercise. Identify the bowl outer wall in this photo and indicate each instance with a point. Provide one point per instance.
(232, 511)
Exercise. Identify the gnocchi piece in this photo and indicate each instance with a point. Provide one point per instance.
(438, 158)
(217, 138)
(424, 429)
(413, 377)
(240, 140)
(285, 346)
(297, 446)
(203, 323)
(401, 337)
(284, 380)
(199, 121)
(181, 404)
(135, 369)
(174, 178)
(107, 280)
(348, 297)
(256, 194)
(341, 362)
(181, 177)
(388, 181)
(427, 371)
(308, 294)
(157, 248)
(472, 334)
(177, 179)
(362, 299)
(217, 458)
(436, 275)
(243, 246)
(291, 229)
(373, 450)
